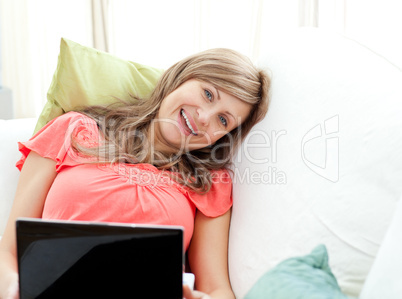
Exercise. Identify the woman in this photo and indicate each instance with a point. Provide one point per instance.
(160, 161)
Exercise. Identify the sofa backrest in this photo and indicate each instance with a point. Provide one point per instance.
(324, 166)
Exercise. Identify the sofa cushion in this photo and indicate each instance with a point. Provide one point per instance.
(305, 277)
(85, 76)
(324, 166)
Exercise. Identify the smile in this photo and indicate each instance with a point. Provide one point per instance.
(188, 122)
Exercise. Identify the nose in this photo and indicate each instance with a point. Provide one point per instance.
(204, 116)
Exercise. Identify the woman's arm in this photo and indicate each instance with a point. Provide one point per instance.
(37, 175)
(208, 255)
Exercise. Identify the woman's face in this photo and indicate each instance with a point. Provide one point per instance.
(196, 115)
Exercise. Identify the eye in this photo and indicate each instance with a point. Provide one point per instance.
(208, 94)
(223, 120)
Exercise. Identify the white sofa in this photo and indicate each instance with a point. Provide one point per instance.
(11, 131)
(325, 166)
(326, 161)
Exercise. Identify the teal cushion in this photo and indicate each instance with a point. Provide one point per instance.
(307, 277)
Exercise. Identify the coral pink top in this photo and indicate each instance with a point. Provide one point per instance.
(126, 193)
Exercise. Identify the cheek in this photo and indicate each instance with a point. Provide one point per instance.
(216, 136)
(169, 131)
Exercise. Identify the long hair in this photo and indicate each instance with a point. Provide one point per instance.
(126, 128)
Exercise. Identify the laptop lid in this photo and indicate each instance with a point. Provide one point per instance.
(70, 259)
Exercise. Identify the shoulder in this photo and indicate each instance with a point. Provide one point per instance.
(221, 184)
(71, 126)
(72, 118)
(66, 122)
(218, 200)
(54, 139)
(221, 177)
(74, 124)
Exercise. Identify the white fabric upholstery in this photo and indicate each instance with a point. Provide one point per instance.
(333, 171)
(11, 131)
(385, 277)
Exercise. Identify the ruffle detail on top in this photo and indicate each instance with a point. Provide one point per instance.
(219, 199)
(53, 141)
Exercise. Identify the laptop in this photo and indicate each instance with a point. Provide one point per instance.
(71, 259)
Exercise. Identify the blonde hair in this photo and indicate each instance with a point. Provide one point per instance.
(126, 127)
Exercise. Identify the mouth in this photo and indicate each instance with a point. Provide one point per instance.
(187, 123)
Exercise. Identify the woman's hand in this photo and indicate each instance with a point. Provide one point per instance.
(189, 294)
(12, 289)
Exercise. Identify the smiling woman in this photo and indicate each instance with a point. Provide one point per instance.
(194, 121)
(192, 117)
(92, 164)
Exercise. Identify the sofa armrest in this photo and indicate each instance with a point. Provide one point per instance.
(11, 131)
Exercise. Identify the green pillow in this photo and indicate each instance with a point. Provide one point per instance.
(85, 76)
(307, 277)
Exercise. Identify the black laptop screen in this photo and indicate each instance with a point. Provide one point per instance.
(82, 260)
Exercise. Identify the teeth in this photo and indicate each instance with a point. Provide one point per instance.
(188, 122)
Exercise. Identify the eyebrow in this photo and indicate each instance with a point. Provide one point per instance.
(227, 112)
(217, 92)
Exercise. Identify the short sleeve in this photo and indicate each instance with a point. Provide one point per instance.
(219, 198)
(53, 141)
